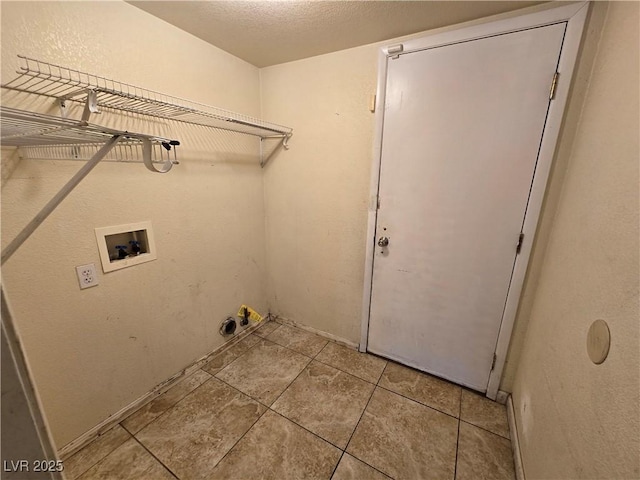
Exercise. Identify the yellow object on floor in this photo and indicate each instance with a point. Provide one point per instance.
(253, 315)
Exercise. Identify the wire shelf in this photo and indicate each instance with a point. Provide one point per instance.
(42, 136)
(124, 151)
(67, 84)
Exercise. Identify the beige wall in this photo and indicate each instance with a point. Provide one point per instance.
(576, 419)
(95, 351)
(316, 196)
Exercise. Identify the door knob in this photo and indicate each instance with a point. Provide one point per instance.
(383, 241)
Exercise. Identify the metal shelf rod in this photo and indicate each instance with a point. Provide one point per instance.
(58, 197)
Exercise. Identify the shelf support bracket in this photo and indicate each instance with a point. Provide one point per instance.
(58, 197)
(284, 142)
(90, 106)
(147, 158)
(64, 108)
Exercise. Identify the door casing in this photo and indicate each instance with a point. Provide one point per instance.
(575, 15)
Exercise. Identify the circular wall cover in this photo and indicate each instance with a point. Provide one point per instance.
(598, 341)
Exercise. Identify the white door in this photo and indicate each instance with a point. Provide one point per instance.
(462, 129)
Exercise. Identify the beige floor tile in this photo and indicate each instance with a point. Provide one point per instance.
(483, 455)
(405, 439)
(484, 413)
(152, 410)
(423, 388)
(102, 446)
(348, 360)
(266, 328)
(297, 339)
(224, 358)
(276, 448)
(130, 461)
(197, 432)
(326, 401)
(265, 371)
(351, 468)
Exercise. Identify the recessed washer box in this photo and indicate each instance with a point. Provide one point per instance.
(124, 246)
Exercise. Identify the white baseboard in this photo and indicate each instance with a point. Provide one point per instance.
(329, 336)
(515, 442)
(87, 437)
(501, 397)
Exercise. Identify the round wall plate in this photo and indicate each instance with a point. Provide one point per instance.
(598, 341)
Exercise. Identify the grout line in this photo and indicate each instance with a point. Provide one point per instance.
(293, 349)
(100, 460)
(129, 431)
(488, 431)
(348, 373)
(307, 430)
(344, 371)
(326, 340)
(232, 361)
(333, 472)
(360, 419)
(261, 326)
(455, 463)
(370, 466)
(269, 407)
(157, 459)
(168, 409)
(419, 402)
(358, 424)
(243, 435)
(243, 393)
(291, 382)
(343, 450)
(382, 373)
(253, 346)
(326, 343)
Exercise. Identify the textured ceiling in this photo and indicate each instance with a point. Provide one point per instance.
(269, 32)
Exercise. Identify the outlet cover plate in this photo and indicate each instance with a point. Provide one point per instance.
(87, 275)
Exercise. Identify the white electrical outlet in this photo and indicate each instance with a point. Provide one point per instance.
(87, 275)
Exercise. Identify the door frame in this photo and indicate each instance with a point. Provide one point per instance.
(575, 15)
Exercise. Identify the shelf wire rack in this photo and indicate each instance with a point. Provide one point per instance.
(66, 84)
(46, 137)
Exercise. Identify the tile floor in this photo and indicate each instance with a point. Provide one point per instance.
(286, 404)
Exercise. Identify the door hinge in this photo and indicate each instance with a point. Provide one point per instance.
(554, 82)
(493, 363)
(519, 246)
(394, 51)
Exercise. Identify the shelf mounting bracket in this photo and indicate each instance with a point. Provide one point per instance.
(284, 142)
(90, 106)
